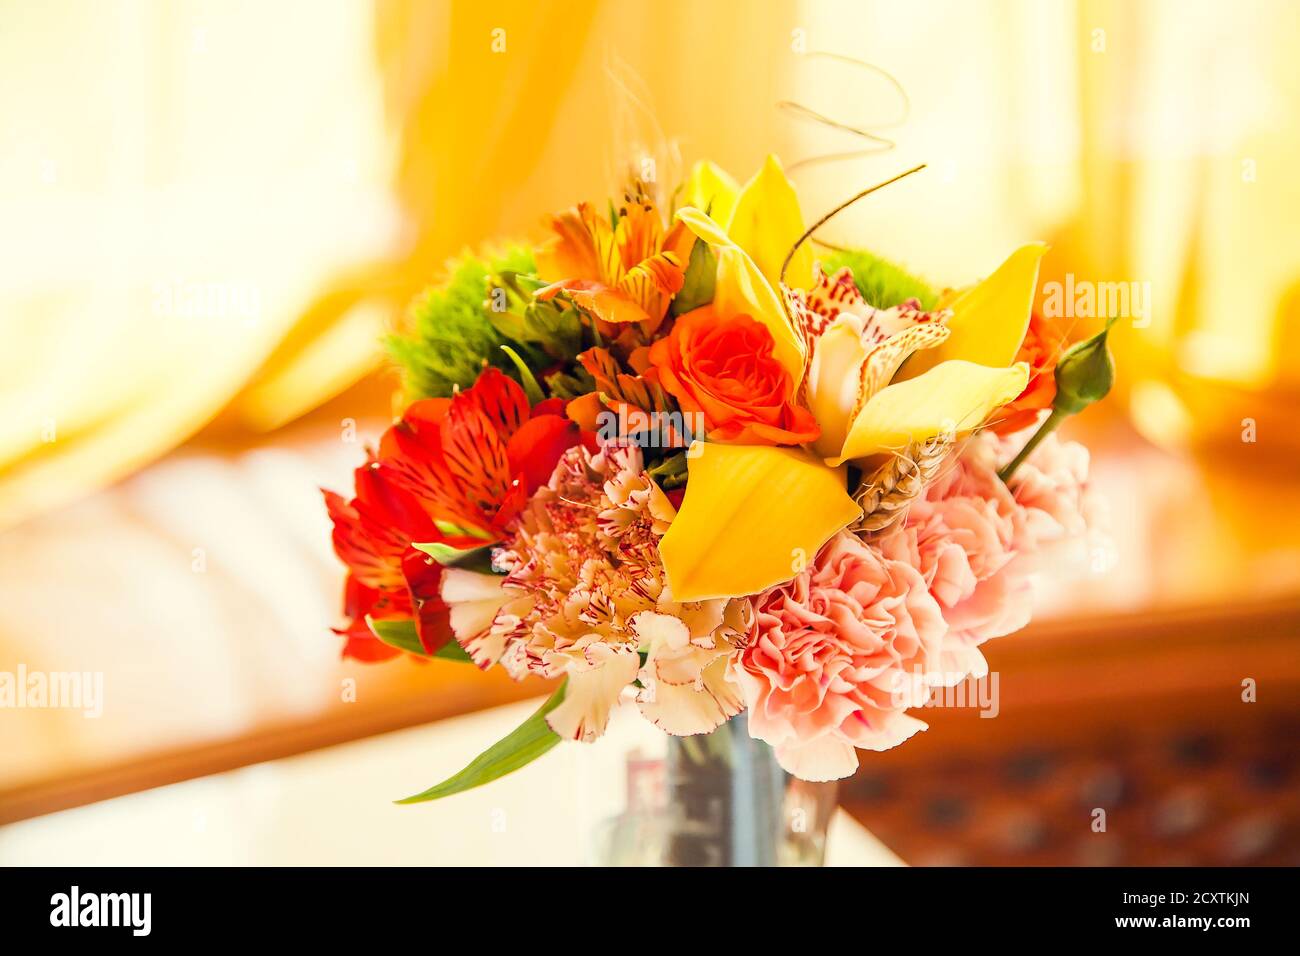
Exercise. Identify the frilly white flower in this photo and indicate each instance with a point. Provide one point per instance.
(585, 597)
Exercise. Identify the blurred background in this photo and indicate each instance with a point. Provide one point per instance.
(210, 212)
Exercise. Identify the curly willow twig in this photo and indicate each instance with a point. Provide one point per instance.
(879, 144)
(835, 212)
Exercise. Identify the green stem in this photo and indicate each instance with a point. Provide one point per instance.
(1045, 429)
(526, 377)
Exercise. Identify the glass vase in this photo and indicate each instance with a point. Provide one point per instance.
(719, 799)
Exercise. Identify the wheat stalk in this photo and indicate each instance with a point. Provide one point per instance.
(886, 493)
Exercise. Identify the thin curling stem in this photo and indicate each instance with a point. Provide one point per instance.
(835, 212)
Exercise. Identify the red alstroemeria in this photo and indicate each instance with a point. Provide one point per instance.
(454, 471)
(387, 577)
(473, 460)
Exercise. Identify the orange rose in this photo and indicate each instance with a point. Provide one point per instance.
(1043, 344)
(723, 369)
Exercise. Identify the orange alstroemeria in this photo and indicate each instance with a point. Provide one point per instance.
(621, 273)
(387, 577)
(638, 402)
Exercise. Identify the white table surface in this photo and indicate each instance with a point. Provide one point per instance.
(333, 807)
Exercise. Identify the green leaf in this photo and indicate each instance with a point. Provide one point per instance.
(518, 748)
(555, 327)
(444, 554)
(569, 385)
(671, 472)
(538, 330)
(527, 284)
(699, 281)
(403, 636)
(472, 559)
(451, 529)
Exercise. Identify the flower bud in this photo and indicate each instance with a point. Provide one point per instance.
(1084, 374)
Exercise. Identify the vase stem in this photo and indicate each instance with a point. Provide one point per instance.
(757, 800)
(731, 804)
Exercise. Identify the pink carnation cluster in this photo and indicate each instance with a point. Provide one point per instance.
(827, 663)
(838, 655)
(979, 543)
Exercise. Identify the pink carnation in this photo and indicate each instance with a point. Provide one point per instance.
(978, 542)
(1051, 490)
(836, 656)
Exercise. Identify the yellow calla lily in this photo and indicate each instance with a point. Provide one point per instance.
(767, 222)
(990, 319)
(952, 397)
(753, 516)
(711, 188)
(742, 288)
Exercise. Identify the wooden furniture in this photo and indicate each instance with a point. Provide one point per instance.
(1103, 698)
(1147, 719)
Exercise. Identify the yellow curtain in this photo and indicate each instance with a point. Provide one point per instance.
(1149, 141)
(1191, 120)
(175, 181)
(217, 209)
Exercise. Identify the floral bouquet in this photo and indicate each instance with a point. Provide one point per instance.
(668, 456)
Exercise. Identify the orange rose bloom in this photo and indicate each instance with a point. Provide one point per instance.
(1043, 344)
(723, 369)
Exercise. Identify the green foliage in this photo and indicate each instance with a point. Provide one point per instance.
(699, 280)
(518, 748)
(883, 284)
(526, 376)
(470, 559)
(403, 636)
(463, 324)
(553, 327)
(571, 383)
(670, 472)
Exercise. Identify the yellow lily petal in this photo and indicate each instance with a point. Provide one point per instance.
(753, 517)
(711, 188)
(741, 287)
(988, 320)
(767, 221)
(952, 397)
